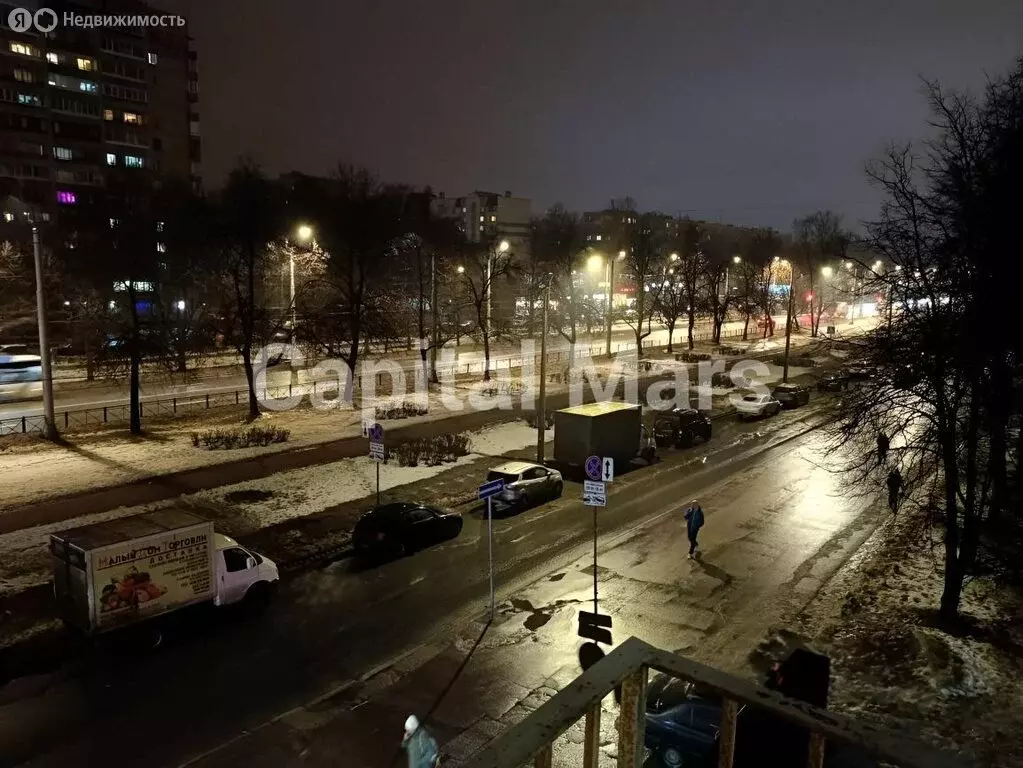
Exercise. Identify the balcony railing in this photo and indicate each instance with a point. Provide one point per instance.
(531, 741)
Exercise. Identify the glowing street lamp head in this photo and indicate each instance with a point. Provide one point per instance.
(877, 265)
(594, 262)
(736, 259)
(461, 269)
(504, 246)
(827, 271)
(304, 232)
(621, 254)
(674, 257)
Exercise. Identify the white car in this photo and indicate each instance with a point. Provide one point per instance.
(754, 406)
(526, 484)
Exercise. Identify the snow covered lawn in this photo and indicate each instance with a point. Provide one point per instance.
(250, 506)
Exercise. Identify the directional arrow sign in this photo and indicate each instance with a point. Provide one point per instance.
(608, 470)
(593, 467)
(492, 488)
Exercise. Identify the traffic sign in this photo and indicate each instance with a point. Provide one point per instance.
(492, 488)
(376, 434)
(593, 467)
(377, 451)
(608, 469)
(594, 494)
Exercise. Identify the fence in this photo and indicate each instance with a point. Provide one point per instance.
(69, 419)
(628, 666)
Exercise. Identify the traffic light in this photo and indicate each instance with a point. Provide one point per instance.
(595, 626)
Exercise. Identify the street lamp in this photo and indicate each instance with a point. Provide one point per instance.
(610, 294)
(674, 257)
(735, 260)
(460, 270)
(304, 234)
(504, 246)
(180, 305)
(827, 271)
(541, 412)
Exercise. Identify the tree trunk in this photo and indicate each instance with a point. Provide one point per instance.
(692, 322)
(953, 579)
(135, 406)
(250, 378)
(671, 334)
(486, 355)
(745, 327)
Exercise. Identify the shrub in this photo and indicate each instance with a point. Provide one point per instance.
(227, 439)
(403, 411)
(795, 361)
(692, 357)
(531, 418)
(432, 451)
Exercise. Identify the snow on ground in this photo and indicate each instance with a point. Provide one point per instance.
(895, 666)
(24, 561)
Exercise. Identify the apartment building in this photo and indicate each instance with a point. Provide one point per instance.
(87, 114)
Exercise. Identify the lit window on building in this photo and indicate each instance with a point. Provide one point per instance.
(24, 49)
(151, 57)
(88, 86)
(85, 64)
(108, 114)
(159, 226)
(24, 76)
(111, 158)
(132, 117)
(482, 218)
(63, 153)
(493, 218)
(53, 58)
(134, 161)
(8, 216)
(598, 238)
(161, 247)
(65, 197)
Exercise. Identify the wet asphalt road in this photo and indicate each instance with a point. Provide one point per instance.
(774, 516)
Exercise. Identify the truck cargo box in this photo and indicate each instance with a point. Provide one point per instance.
(606, 429)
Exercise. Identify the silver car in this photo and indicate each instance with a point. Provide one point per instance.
(754, 405)
(526, 484)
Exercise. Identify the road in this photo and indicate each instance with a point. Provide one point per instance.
(225, 380)
(777, 522)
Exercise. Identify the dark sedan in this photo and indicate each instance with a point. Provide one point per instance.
(833, 382)
(681, 724)
(791, 395)
(401, 528)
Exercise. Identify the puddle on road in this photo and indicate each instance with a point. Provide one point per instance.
(557, 577)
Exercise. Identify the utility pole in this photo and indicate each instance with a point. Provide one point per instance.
(435, 338)
(541, 410)
(291, 264)
(788, 327)
(50, 423)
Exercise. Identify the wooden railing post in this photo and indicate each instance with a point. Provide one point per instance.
(632, 720)
(726, 739)
(815, 755)
(591, 740)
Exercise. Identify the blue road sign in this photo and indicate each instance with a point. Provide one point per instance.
(492, 488)
(376, 433)
(593, 468)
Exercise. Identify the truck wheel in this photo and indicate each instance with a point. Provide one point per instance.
(258, 595)
(671, 757)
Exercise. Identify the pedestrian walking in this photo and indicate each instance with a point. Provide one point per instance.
(882, 447)
(420, 745)
(894, 487)
(694, 522)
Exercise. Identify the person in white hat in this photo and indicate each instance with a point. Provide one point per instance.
(420, 745)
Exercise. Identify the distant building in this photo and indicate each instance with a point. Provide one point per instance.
(483, 215)
(90, 114)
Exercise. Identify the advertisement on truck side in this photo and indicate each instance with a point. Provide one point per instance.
(134, 579)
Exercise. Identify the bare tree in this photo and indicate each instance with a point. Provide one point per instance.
(485, 266)
(558, 245)
(818, 238)
(754, 295)
(645, 265)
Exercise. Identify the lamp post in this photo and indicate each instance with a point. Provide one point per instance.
(788, 328)
(434, 337)
(50, 423)
(305, 234)
(458, 312)
(502, 247)
(541, 409)
(610, 295)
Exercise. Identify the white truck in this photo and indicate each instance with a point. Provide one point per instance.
(123, 571)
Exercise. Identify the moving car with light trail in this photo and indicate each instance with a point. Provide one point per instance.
(123, 571)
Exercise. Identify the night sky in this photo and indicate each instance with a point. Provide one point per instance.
(747, 112)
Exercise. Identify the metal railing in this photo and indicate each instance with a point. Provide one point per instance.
(184, 404)
(628, 666)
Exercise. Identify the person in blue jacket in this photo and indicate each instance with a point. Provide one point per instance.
(420, 745)
(694, 522)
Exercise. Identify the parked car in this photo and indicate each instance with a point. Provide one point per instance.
(401, 528)
(681, 726)
(526, 484)
(858, 372)
(834, 381)
(681, 427)
(754, 406)
(791, 395)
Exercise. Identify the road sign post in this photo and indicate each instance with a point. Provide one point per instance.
(377, 451)
(608, 466)
(488, 491)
